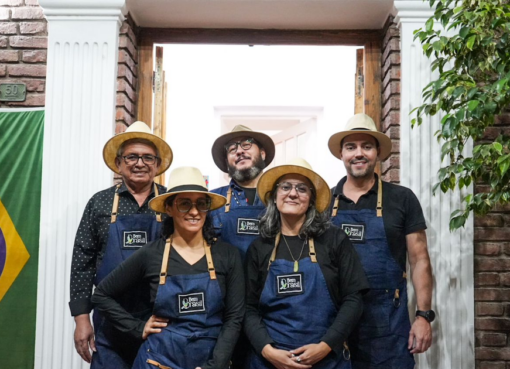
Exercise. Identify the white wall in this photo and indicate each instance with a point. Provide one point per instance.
(202, 77)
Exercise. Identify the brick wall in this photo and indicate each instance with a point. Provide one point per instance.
(390, 119)
(23, 44)
(492, 277)
(127, 76)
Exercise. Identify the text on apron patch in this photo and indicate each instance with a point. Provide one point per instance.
(134, 239)
(355, 232)
(191, 303)
(247, 226)
(289, 284)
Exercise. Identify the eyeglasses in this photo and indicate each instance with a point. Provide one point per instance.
(231, 147)
(147, 159)
(184, 205)
(286, 187)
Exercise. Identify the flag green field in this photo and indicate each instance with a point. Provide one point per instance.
(21, 142)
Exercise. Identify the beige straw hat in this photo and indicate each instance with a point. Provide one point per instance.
(219, 153)
(137, 130)
(296, 166)
(360, 123)
(183, 180)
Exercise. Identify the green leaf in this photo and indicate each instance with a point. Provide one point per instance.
(464, 31)
(457, 222)
(498, 147)
(429, 25)
(473, 104)
(470, 42)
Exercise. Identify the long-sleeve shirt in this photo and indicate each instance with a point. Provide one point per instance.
(92, 238)
(145, 266)
(342, 271)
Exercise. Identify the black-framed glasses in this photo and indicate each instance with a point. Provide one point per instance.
(246, 144)
(286, 187)
(184, 205)
(147, 159)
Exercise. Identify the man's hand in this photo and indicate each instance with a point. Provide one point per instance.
(154, 325)
(312, 353)
(420, 336)
(84, 337)
(282, 359)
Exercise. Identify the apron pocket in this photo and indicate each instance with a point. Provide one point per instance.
(375, 321)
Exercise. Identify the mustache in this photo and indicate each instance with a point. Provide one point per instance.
(362, 160)
(242, 157)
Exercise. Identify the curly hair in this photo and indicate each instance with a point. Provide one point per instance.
(207, 229)
(314, 225)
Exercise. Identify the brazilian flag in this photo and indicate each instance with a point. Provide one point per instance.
(21, 141)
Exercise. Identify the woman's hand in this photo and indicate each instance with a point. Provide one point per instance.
(312, 353)
(282, 359)
(154, 325)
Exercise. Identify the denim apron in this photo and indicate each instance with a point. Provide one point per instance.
(127, 233)
(194, 305)
(297, 309)
(238, 224)
(381, 337)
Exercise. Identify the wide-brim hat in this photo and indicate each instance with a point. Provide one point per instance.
(360, 123)
(183, 180)
(219, 153)
(296, 166)
(137, 130)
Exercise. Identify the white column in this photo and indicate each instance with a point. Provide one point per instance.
(451, 253)
(80, 117)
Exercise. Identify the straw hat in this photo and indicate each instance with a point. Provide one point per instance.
(219, 153)
(296, 166)
(360, 123)
(137, 130)
(183, 180)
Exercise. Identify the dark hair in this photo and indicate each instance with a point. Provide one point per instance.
(207, 229)
(314, 225)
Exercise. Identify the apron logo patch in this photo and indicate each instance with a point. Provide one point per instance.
(289, 284)
(135, 239)
(247, 226)
(355, 232)
(192, 303)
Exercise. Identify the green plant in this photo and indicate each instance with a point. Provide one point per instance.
(470, 44)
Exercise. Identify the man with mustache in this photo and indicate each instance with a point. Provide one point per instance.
(385, 223)
(116, 222)
(243, 154)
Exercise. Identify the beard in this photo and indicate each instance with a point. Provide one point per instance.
(244, 175)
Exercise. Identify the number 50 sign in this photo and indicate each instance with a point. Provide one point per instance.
(13, 92)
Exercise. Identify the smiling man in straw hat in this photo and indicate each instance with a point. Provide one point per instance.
(243, 154)
(385, 223)
(116, 222)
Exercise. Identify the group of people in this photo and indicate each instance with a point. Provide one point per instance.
(274, 270)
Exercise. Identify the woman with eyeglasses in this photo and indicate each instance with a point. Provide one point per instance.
(304, 279)
(195, 283)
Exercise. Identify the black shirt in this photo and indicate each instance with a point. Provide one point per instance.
(92, 238)
(342, 271)
(402, 213)
(145, 266)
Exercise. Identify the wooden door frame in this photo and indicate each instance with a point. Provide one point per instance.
(371, 40)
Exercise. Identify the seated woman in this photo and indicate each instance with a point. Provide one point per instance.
(304, 279)
(196, 284)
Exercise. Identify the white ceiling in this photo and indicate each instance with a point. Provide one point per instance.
(261, 14)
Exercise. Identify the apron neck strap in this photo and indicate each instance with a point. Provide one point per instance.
(311, 248)
(164, 264)
(379, 199)
(166, 253)
(156, 193)
(210, 264)
(115, 205)
(229, 198)
(335, 206)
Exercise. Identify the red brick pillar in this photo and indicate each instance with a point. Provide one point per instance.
(390, 168)
(23, 43)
